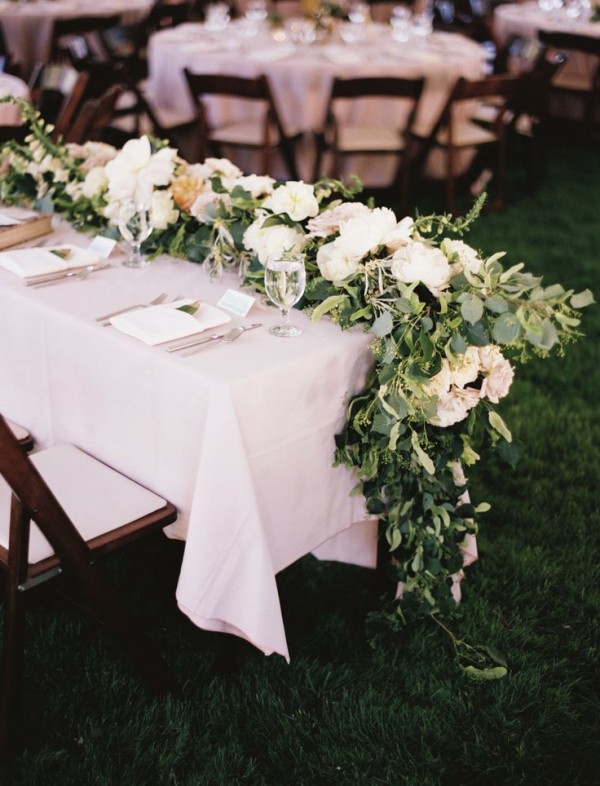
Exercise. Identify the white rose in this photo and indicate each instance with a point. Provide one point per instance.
(330, 221)
(366, 232)
(334, 264)
(215, 166)
(295, 198)
(162, 210)
(274, 242)
(498, 372)
(202, 201)
(95, 182)
(468, 259)
(440, 383)
(465, 368)
(400, 235)
(420, 262)
(255, 185)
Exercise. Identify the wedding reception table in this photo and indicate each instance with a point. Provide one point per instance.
(301, 75)
(28, 25)
(527, 19)
(238, 436)
(10, 114)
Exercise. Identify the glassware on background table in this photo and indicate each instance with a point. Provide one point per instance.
(421, 25)
(256, 11)
(135, 227)
(216, 17)
(400, 20)
(285, 280)
(359, 13)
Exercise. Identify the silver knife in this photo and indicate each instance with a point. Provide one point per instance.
(50, 278)
(233, 332)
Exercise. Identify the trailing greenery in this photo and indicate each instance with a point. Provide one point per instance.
(446, 319)
(401, 714)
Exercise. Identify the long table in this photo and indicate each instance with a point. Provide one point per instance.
(239, 437)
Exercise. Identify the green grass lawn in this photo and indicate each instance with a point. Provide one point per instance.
(403, 713)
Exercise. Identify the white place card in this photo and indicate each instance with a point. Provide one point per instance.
(102, 246)
(236, 302)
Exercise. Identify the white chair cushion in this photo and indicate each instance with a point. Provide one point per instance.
(466, 134)
(18, 431)
(95, 497)
(365, 138)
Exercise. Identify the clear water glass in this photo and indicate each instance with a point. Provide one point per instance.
(135, 227)
(359, 13)
(256, 11)
(216, 17)
(285, 281)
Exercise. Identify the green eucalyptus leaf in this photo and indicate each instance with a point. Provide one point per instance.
(506, 329)
(383, 325)
(497, 304)
(471, 309)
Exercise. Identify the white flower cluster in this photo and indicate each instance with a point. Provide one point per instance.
(453, 384)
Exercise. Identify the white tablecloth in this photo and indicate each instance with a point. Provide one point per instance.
(28, 25)
(10, 114)
(301, 77)
(239, 437)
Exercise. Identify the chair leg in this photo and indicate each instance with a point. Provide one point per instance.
(287, 151)
(14, 622)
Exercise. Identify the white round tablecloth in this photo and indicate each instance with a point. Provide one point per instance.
(301, 76)
(10, 114)
(28, 25)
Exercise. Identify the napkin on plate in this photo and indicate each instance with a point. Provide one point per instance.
(28, 262)
(157, 324)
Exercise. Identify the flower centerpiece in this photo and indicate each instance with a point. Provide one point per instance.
(448, 323)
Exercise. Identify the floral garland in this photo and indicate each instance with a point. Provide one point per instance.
(447, 322)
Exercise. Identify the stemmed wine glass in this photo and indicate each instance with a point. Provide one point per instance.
(285, 280)
(135, 226)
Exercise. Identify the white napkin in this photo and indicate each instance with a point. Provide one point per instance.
(28, 262)
(157, 324)
(278, 52)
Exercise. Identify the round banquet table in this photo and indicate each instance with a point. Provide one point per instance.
(527, 19)
(301, 75)
(10, 114)
(28, 25)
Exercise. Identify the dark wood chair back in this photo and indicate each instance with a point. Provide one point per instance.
(255, 90)
(34, 501)
(94, 116)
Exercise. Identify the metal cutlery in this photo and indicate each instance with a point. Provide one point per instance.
(157, 301)
(227, 338)
(75, 274)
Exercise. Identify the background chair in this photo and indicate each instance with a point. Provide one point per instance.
(81, 509)
(64, 29)
(578, 84)
(22, 435)
(265, 135)
(58, 92)
(92, 121)
(463, 126)
(344, 138)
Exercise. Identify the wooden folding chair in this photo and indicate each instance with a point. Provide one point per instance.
(583, 86)
(94, 117)
(343, 138)
(22, 435)
(460, 128)
(265, 135)
(59, 510)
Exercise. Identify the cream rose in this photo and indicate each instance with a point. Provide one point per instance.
(334, 264)
(468, 258)
(498, 374)
(420, 262)
(329, 222)
(162, 210)
(136, 171)
(274, 242)
(95, 182)
(295, 198)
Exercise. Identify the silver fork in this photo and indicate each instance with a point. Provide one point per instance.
(157, 301)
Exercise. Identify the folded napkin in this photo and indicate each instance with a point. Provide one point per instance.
(29, 262)
(157, 324)
(270, 54)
